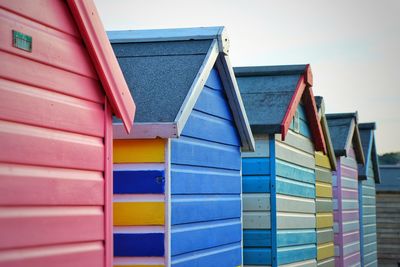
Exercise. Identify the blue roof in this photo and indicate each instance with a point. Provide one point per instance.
(390, 178)
(369, 149)
(344, 132)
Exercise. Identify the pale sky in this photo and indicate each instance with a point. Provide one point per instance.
(353, 46)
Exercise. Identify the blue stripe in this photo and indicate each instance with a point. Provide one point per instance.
(295, 189)
(297, 253)
(294, 172)
(256, 238)
(361, 221)
(210, 102)
(257, 256)
(296, 237)
(274, 241)
(304, 128)
(255, 166)
(256, 184)
(139, 245)
(203, 236)
(138, 182)
(214, 80)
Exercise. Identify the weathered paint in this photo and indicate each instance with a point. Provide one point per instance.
(55, 128)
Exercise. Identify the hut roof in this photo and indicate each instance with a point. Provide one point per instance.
(389, 179)
(271, 95)
(344, 132)
(369, 149)
(106, 65)
(166, 71)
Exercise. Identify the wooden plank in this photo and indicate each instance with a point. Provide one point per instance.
(349, 162)
(351, 248)
(349, 183)
(297, 253)
(204, 180)
(138, 213)
(256, 202)
(48, 109)
(80, 254)
(323, 190)
(324, 251)
(298, 141)
(188, 238)
(294, 172)
(51, 47)
(352, 260)
(323, 175)
(294, 188)
(296, 237)
(256, 220)
(293, 155)
(40, 226)
(257, 256)
(256, 184)
(294, 204)
(23, 144)
(330, 262)
(350, 226)
(324, 205)
(138, 244)
(255, 166)
(139, 182)
(138, 151)
(295, 220)
(197, 208)
(348, 204)
(261, 149)
(307, 263)
(33, 185)
(324, 235)
(256, 238)
(324, 220)
(322, 160)
(210, 102)
(20, 70)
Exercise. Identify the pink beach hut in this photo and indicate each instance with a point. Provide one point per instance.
(60, 83)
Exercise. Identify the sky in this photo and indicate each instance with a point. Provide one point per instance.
(353, 46)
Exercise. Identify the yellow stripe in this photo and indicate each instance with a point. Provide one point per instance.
(138, 213)
(323, 189)
(324, 220)
(325, 251)
(143, 150)
(322, 160)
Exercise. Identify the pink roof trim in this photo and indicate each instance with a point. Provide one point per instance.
(106, 64)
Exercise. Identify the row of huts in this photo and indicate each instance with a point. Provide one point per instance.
(154, 151)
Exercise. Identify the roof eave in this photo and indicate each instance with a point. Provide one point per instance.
(104, 60)
(146, 131)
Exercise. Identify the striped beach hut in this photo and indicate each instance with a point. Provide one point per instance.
(177, 177)
(368, 175)
(279, 210)
(59, 85)
(346, 142)
(388, 215)
(324, 166)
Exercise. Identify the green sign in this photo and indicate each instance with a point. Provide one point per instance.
(22, 41)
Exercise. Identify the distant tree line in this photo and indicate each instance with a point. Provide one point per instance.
(390, 158)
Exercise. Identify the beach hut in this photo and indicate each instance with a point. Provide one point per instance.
(59, 85)
(368, 176)
(324, 166)
(177, 178)
(388, 216)
(346, 142)
(279, 211)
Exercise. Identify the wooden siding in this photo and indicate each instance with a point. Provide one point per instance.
(256, 204)
(296, 220)
(367, 202)
(139, 203)
(205, 185)
(325, 247)
(54, 145)
(346, 212)
(388, 225)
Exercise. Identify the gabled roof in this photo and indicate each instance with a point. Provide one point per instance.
(344, 132)
(166, 71)
(271, 95)
(319, 101)
(99, 48)
(369, 149)
(390, 178)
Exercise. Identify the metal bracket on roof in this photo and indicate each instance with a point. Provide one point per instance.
(223, 41)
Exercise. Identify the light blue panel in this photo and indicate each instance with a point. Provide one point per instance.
(199, 208)
(256, 166)
(256, 184)
(294, 188)
(294, 172)
(304, 128)
(206, 185)
(296, 237)
(257, 256)
(256, 238)
(204, 180)
(204, 235)
(296, 253)
(302, 112)
(274, 242)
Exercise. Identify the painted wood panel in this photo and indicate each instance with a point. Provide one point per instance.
(206, 214)
(139, 151)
